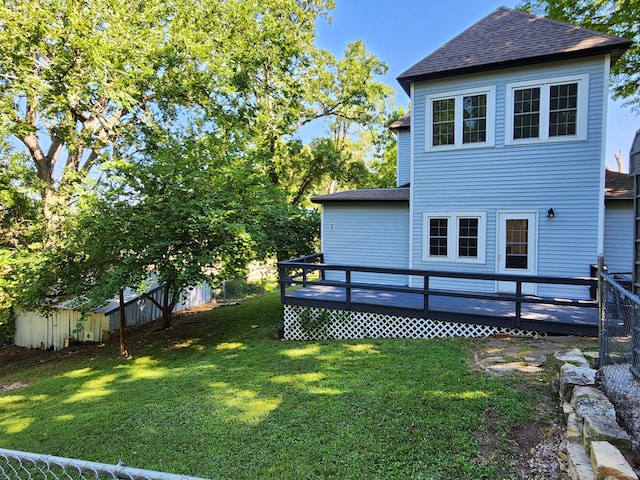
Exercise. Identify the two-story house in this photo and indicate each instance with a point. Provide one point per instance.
(500, 163)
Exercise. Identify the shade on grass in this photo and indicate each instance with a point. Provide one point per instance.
(219, 399)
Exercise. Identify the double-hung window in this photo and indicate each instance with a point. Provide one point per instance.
(455, 237)
(460, 119)
(549, 110)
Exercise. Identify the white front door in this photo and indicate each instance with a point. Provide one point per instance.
(517, 248)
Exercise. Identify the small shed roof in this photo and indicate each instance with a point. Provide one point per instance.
(618, 186)
(510, 38)
(366, 195)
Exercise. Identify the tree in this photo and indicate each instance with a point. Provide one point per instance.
(173, 122)
(616, 17)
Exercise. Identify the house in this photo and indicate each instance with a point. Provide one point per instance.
(500, 163)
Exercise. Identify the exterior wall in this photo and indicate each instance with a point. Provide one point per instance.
(563, 175)
(618, 236)
(366, 234)
(404, 158)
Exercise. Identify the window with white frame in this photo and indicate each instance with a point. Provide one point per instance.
(460, 119)
(455, 236)
(547, 110)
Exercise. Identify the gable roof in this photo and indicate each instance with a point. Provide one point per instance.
(510, 38)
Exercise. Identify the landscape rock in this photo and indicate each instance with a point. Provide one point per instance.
(605, 429)
(579, 463)
(570, 376)
(608, 462)
(573, 357)
(590, 401)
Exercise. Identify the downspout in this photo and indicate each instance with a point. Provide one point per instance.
(603, 144)
(411, 178)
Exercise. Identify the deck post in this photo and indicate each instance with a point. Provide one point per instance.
(283, 287)
(518, 303)
(426, 297)
(348, 289)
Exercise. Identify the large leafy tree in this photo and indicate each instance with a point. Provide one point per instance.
(174, 126)
(617, 17)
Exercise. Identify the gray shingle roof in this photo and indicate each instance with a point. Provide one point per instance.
(402, 123)
(366, 195)
(509, 38)
(618, 186)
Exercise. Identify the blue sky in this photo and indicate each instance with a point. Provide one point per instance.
(403, 32)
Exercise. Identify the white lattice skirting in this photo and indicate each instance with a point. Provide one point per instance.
(309, 323)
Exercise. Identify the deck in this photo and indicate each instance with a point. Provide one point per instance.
(554, 319)
(516, 310)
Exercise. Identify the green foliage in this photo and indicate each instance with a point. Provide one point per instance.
(7, 326)
(176, 126)
(616, 17)
(197, 398)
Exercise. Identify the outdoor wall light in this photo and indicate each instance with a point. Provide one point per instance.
(551, 213)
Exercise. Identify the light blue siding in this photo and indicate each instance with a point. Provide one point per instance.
(563, 175)
(366, 234)
(618, 237)
(404, 158)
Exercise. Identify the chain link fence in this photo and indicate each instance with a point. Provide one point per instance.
(16, 465)
(619, 351)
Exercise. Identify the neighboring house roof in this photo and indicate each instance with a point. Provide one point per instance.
(618, 186)
(510, 38)
(403, 123)
(366, 195)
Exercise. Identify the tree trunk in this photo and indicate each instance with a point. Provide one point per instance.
(167, 307)
(123, 327)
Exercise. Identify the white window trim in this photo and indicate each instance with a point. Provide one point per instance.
(452, 237)
(457, 95)
(545, 87)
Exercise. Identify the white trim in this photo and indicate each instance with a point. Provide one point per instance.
(453, 236)
(603, 153)
(457, 95)
(545, 86)
(411, 180)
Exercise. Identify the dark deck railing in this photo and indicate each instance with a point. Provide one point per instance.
(310, 270)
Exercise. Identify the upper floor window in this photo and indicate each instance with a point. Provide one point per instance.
(548, 110)
(460, 119)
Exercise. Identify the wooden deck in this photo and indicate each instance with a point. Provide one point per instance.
(553, 319)
(564, 316)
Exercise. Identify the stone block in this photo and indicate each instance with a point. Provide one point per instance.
(574, 431)
(593, 357)
(590, 401)
(605, 429)
(567, 409)
(570, 376)
(608, 462)
(579, 463)
(573, 357)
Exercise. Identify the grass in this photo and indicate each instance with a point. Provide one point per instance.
(215, 397)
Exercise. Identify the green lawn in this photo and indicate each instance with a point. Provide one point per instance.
(216, 397)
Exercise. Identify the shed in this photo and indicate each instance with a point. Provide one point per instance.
(54, 329)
